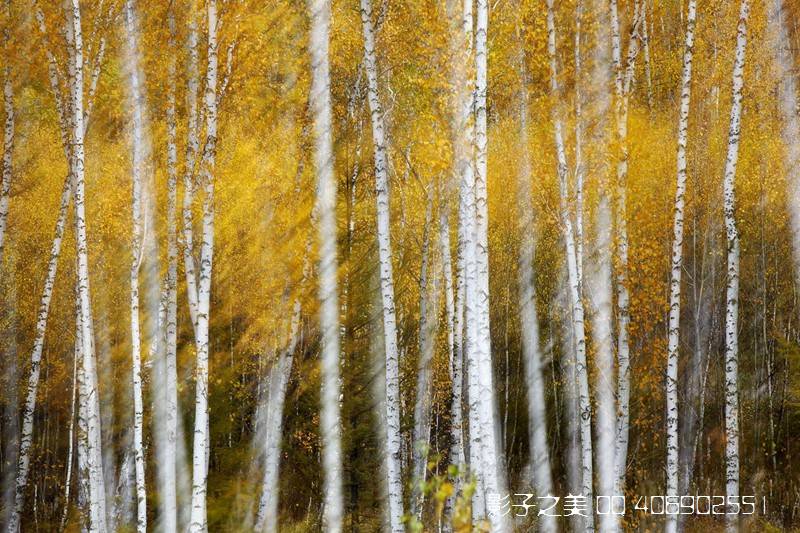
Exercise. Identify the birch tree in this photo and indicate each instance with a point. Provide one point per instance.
(330, 419)
(576, 302)
(580, 169)
(82, 438)
(623, 80)
(138, 169)
(677, 268)
(166, 407)
(43, 313)
(460, 42)
(480, 352)
(393, 441)
(201, 421)
(97, 501)
(476, 430)
(732, 290)
(605, 54)
(192, 150)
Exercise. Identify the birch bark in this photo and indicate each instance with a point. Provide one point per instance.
(330, 419)
(476, 430)
(576, 303)
(192, 150)
(83, 441)
(166, 408)
(600, 286)
(26, 436)
(580, 169)
(97, 500)
(604, 55)
(460, 17)
(677, 269)
(622, 86)
(193, 127)
(138, 168)
(732, 290)
(393, 441)
(489, 442)
(201, 443)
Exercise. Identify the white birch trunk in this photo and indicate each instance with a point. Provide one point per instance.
(26, 437)
(622, 86)
(187, 230)
(192, 150)
(330, 419)
(83, 442)
(492, 470)
(581, 371)
(97, 499)
(201, 442)
(677, 269)
(460, 17)
(137, 255)
(580, 169)
(732, 290)
(600, 277)
(476, 430)
(467, 236)
(393, 440)
(166, 406)
(463, 159)
(600, 286)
